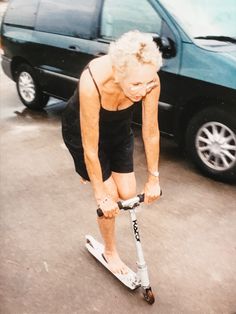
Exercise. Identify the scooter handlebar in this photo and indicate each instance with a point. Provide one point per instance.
(127, 204)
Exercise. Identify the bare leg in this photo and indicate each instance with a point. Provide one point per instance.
(124, 186)
(107, 229)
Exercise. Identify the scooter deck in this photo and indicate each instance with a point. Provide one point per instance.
(96, 249)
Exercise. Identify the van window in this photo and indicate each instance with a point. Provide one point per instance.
(67, 17)
(218, 18)
(121, 16)
(21, 13)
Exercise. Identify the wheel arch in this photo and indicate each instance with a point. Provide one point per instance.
(193, 107)
(16, 62)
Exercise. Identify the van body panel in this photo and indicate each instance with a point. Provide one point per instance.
(210, 66)
(200, 71)
(6, 66)
(56, 54)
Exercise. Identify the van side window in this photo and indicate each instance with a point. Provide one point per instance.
(121, 16)
(21, 13)
(67, 17)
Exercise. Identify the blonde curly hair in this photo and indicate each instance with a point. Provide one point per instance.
(134, 47)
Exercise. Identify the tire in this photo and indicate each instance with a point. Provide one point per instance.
(211, 143)
(28, 88)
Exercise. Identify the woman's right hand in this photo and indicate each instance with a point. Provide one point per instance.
(109, 208)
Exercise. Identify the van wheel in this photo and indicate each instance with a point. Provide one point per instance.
(28, 88)
(211, 143)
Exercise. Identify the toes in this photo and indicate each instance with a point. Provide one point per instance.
(124, 270)
(117, 271)
(117, 267)
(114, 270)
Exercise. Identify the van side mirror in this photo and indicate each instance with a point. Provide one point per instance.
(166, 46)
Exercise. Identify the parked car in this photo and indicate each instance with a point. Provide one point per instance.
(46, 45)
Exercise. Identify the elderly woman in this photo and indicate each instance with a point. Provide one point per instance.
(96, 126)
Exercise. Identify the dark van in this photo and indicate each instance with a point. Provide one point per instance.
(46, 44)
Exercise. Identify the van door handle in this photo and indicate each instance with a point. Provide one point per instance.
(99, 54)
(74, 48)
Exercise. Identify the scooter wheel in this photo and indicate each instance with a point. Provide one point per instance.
(149, 296)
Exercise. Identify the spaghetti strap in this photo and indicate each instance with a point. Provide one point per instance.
(100, 97)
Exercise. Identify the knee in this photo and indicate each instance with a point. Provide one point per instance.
(127, 193)
(126, 185)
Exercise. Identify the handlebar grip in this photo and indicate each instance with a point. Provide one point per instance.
(141, 200)
(99, 212)
(141, 197)
(119, 204)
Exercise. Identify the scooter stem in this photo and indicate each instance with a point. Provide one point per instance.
(142, 267)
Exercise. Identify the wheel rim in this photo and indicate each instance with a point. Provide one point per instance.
(26, 86)
(216, 146)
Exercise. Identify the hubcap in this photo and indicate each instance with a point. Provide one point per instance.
(26, 87)
(216, 146)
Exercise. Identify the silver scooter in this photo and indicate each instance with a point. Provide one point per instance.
(132, 280)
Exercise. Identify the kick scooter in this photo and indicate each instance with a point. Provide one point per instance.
(132, 280)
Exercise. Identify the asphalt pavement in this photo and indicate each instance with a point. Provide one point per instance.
(188, 236)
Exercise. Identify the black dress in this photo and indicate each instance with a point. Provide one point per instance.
(116, 141)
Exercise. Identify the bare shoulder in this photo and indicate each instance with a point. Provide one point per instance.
(150, 101)
(101, 69)
(86, 84)
(156, 89)
(155, 92)
(157, 79)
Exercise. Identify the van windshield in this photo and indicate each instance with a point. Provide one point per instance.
(204, 18)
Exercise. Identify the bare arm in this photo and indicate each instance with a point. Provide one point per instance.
(151, 138)
(89, 120)
(150, 128)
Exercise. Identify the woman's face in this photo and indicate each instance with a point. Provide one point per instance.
(138, 81)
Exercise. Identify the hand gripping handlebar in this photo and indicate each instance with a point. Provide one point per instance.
(127, 204)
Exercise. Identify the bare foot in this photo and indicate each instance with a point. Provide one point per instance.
(115, 264)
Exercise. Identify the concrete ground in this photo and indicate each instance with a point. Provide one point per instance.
(188, 236)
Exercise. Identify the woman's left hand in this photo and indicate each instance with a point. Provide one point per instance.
(152, 190)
